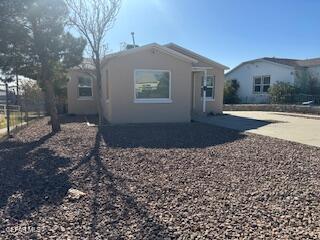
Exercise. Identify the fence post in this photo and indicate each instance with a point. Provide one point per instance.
(20, 110)
(27, 117)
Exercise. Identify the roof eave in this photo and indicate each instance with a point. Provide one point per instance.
(202, 58)
(156, 46)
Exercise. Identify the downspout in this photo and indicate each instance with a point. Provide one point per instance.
(204, 91)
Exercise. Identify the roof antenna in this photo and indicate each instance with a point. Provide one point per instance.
(134, 43)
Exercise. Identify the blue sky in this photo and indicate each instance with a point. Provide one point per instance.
(228, 31)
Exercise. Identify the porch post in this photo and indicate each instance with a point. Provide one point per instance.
(204, 91)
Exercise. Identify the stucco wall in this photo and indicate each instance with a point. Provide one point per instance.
(245, 73)
(121, 81)
(75, 104)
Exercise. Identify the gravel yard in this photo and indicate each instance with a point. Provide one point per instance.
(157, 181)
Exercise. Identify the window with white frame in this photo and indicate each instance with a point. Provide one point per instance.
(84, 87)
(152, 85)
(209, 88)
(261, 84)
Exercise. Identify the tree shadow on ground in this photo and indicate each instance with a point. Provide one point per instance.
(64, 119)
(24, 147)
(166, 136)
(114, 206)
(29, 177)
(70, 118)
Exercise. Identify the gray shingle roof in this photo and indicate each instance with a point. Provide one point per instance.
(285, 61)
(295, 62)
(309, 62)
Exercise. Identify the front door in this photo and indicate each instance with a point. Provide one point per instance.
(196, 93)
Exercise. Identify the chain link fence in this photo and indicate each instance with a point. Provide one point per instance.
(17, 111)
(13, 117)
(296, 99)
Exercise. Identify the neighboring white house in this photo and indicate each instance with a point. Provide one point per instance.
(256, 76)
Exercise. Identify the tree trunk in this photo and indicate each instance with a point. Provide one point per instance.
(50, 99)
(99, 85)
(51, 105)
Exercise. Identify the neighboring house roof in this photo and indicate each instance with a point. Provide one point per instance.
(192, 54)
(151, 46)
(295, 63)
(283, 61)
(309, 62)
(87, 64)
(13, 85)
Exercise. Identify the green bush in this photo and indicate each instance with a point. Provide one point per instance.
(282, 92)
(231, 92)
(307, 83)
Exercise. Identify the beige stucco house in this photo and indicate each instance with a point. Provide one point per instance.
(152, 83)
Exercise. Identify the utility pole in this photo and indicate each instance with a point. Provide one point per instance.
(7, 110)
(16, 73)
(134, 43)
(17, 83)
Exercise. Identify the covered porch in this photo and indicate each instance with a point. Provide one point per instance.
(203, 90)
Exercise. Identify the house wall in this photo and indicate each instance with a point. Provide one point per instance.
(76, 105)
(215, 105)
(121, 81)
(245, 73)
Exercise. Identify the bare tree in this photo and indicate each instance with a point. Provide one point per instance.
(93, 19)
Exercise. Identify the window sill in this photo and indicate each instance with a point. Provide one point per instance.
(85, 98)
(152, 101)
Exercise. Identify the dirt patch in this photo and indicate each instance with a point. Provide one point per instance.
(156, 181)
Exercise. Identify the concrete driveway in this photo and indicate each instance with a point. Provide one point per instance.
(299, 128)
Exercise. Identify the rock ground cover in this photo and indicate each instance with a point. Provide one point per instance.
(156, 181)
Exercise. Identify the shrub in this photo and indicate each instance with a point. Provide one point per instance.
(282, 92)
(231, 92)
(307, 83)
